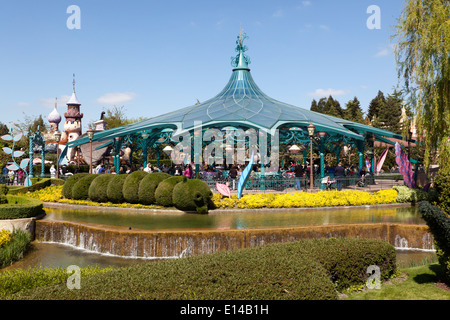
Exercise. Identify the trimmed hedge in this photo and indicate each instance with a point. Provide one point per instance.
(114, 189)
(19, 207)
(130, 188)
(4, 189)
(346, 260)
(67, 188)
(192, 195)
(148, 185)
(439, 224)
(163, 193)
(80, 190)
(15, 249)
(38, 185)
(285, 271)
(99, 187)
(442, 185)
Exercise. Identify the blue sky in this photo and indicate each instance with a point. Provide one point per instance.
(153, 57)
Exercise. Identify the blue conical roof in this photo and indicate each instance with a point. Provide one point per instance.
(242, 102)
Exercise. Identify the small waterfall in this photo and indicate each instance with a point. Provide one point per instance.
(151, 244)
(400, 243)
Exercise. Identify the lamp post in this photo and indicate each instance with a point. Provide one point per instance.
(145, 148)
(57, 139)
(409, 140)
(90, 134)
(311, 129)
(168, 150)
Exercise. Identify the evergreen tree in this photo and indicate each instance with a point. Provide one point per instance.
(321, 105)
(353, 111)
(375, 105)
(390, 113)
(314, 106)
(333, 108)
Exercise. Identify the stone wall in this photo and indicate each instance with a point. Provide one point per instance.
(121, 241)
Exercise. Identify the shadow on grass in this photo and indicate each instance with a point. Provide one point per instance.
(435, 275)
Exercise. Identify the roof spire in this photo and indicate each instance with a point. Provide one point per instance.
(73, 83)
(241, 60)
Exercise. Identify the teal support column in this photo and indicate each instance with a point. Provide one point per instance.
(360, 146)
(117, 146)
(43, 161)
(322, 161)
(262, 174)
(372, 166)
(30, 171)
(145, 155)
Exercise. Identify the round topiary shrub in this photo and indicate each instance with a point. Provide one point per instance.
(99, 187)
(68, 185)
(130, 188)
(148, 185)
(3, 199)
(114, 189)
(163, 193)
(80, 190)
(4, 189)
(18, 207)
(192, 195)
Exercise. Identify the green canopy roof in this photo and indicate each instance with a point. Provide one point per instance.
(242, 102)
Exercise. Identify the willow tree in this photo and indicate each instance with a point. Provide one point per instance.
(422, 54)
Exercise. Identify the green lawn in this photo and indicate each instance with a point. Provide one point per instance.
(416, 283)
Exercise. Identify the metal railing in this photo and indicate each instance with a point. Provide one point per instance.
(283, 183)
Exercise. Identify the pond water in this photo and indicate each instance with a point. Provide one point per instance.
(59, 255)
(239, 220)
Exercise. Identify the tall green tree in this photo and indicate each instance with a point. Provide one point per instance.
(116, 117)
(422, 53)
(353, 111)
(390, 113)
(314, 107)
(375, 105)
(333, 108)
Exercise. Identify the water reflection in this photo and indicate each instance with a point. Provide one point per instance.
(239, 220)
(57, 255)
(49, 255)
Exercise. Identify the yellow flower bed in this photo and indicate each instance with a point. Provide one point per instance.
(304, 199)
(5, 236)
(251, 201)
(54, 194)
(49, 194)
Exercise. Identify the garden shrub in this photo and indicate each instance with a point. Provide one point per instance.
(442, 185)
(347, 259)
(67, 189)
(148, 185)
(19, 207)
(114, 190)
(300, 270)
(15, 280)
(80, 190)
(406, 194)
(131, 186)
(99, 187)
(14, 249)
(4, 189)
(3, 199)
(38, 185)
(192, 195)
(163, 193)
(439, 224)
